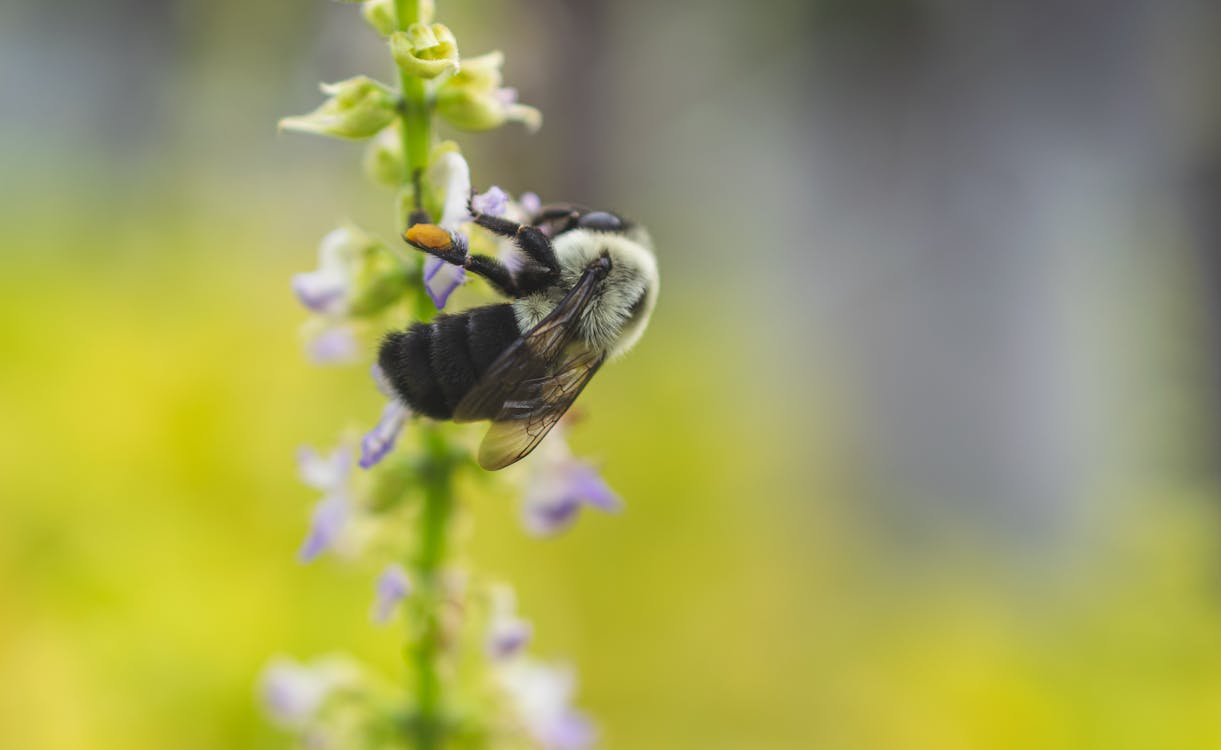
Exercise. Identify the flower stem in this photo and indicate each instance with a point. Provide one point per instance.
(417, 119)
(435, 515)
(437, 509)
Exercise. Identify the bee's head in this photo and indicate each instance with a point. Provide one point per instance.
(601, 221)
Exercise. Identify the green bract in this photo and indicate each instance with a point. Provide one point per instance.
(473, 99)
(357, 108)
(379, 278)
(384, 161)
(380, 15)
(425, 51)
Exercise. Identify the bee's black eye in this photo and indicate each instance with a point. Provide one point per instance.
(600, 220)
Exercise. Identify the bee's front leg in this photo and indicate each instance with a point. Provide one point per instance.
(434, 240)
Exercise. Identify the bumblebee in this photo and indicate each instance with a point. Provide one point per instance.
(583, 294)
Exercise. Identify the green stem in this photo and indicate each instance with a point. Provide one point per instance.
(438, 506)
(435, 515)
(417, 116)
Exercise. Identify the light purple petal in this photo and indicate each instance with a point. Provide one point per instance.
(542, 695)
(322, 291)
(381, 439)
(334, 345)
(393, 586)
(508, 636)
(291, 692)
(441, 279)
(451, 172)
(330, 515)
(589, 487)
(530, 203)
(495, 202)
(569, 731)
(381, 381)
(548, 516)
(325, 474)
(506, 95)
(558, 490)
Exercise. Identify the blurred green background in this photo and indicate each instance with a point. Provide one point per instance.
(920, 451)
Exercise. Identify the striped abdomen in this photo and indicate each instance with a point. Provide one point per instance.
(433, 365)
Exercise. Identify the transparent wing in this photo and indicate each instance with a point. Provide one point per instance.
(530, 386)
(522, 425)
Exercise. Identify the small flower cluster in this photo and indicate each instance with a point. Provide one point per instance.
(333, 702)
(468, 92)
(360, 287)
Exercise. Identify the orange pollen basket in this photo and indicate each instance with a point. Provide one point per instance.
(429, 236)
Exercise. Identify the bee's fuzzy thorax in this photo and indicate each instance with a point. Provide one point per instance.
(616, 319)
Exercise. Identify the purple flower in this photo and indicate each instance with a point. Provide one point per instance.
(453, 175)
(381, 381)
(530, 203)
(326, 524)
(328, 289)
(321, 291)
(451, 172)
(325, 473)
(381, 439)
(508, 634)
(330, 476)
(392, 587)
(292, 693)
(571, 730)
(542, 695)
(558, 488)
(441, 279)
(495, 202)
(333, 345)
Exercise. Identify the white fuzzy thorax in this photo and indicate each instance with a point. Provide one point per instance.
(607, 323)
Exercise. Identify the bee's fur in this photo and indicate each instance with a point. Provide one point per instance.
(432, 366)
(616, 319)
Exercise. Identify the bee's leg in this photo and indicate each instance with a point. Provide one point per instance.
(452, 249)
(557, 218)
(536, 245)
(495, 272)
(531, 241)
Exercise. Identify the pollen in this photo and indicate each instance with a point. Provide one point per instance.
(429, 237)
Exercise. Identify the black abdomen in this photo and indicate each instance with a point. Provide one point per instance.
(433, 365)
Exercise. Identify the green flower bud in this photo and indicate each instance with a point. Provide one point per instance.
(383, 161)
(394, 480)
(380, 289)
(425, 51)
(473, 99)
(357, 108)
(380, 15)
(357, 276)
(380, 278)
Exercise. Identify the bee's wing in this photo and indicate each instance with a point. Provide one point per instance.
(533, 382)
(522, 425)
